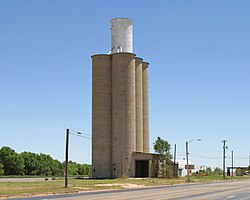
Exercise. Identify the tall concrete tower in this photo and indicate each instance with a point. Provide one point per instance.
(120, 106)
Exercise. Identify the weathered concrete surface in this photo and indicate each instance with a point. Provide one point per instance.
(101, 116)
(123, 112)
(146, 147)
(139, 104)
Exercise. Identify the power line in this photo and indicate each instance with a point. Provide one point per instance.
(96, 139)
(208, 158)
(196, 155)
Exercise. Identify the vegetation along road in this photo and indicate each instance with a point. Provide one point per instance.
(238, 190)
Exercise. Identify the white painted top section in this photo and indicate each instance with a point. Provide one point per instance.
(121, 35)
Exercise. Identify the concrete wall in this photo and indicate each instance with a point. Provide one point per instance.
(123, 112)
(151, 158)
(101, 116)
(139, 104)
(146, 148)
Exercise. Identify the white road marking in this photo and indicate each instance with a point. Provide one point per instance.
(230, 197)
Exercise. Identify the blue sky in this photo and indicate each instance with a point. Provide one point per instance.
(199, 55)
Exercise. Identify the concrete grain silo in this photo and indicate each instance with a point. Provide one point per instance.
(101, 115)
(120, 109)
(123, 111)
(145, 107)
(139, 104)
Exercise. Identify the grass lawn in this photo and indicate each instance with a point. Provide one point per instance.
(26, 189)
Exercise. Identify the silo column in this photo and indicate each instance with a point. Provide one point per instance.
(146, 148)
(123, 112)
(139, 105)
(101, 116)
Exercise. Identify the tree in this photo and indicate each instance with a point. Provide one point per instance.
(41, 164)
(73, 168)
(1, 169)
(80, 169)
(13, 163)
(218, 171)
(31, 163)
(45, 162)
(87, 170)
(84, 170)
(209, 171)
(57, 168)
(162, 147)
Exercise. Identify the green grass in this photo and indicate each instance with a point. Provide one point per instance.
(214, 178)
(25, 189)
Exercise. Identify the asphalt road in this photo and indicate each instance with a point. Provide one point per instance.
(239, 190)
(22, 179)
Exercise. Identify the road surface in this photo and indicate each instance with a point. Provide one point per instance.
(22, 179)
(230, 190)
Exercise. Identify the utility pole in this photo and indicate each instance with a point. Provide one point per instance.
(188, 179)
(224, 158)
(232, 162)
(175, 175)
(66, 158)
(249, 161)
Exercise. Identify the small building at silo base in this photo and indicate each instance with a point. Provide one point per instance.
(149, 165)
(144, 165)
(140, 165)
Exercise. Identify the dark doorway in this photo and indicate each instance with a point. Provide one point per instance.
(141, 168)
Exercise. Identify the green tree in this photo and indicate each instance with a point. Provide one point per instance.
(73, 168)
(57, 168)
(45, 162)
(13, 163)
(1, 169)
(80, 169)
(41, 164)
(31, 163)
(162, 148)
(218, 171)
(208, 171)
(87, 170)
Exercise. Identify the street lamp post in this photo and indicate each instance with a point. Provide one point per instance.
(232, 163)
(188, 178)
(224, 158)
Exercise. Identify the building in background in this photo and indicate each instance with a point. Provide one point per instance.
(182, 168)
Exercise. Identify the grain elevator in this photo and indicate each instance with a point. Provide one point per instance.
(120, 108)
